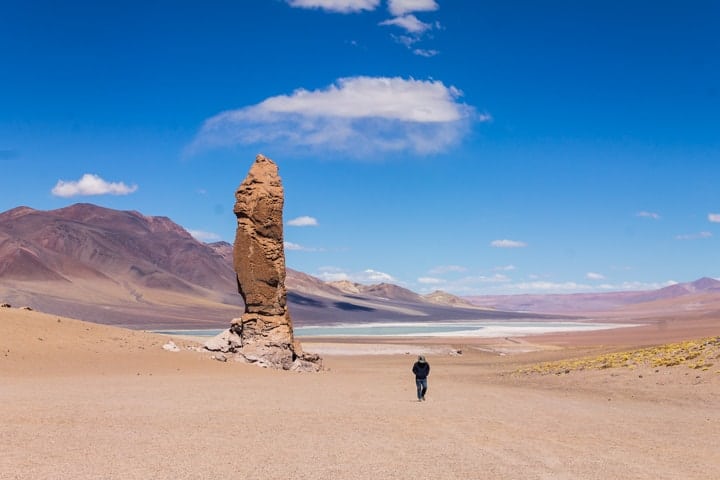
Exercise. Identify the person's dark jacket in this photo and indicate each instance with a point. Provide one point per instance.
(421, 370)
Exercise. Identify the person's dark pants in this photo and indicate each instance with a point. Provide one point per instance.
(421, 384)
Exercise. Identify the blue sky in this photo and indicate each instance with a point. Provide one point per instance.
(475, 147)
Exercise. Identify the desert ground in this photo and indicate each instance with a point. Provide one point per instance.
(85, 401)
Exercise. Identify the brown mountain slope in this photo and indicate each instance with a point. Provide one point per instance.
(118, 266)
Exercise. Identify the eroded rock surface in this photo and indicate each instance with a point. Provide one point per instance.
(264, 333)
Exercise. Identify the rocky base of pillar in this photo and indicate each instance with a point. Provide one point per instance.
(263, 352)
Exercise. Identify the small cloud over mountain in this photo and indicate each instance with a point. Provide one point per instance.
(90, 184)
(594, 276)
(430, 280)
(303, 221)
(334, 274)
(290, 246)
(204, 236)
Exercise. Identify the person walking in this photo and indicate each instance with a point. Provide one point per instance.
(421, 369)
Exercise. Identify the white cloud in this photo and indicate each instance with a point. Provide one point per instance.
(546, 287)
(439, 270)
(594, 276)
(504, 268)
(356, 115)
(401, 7)
(290, 246)
(473, 285)
(694, 236)
(507, 244)
(483, 279)
(430, 280)
(425, 53)
(337, 6)
(645, 214)
(333, 274)
(714, 217)
(91, 184)
(303, 221)
(635, 286)
(204, 236)
(408, 22)
(376, 276)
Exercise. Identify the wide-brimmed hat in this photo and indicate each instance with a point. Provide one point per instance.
(421, 359)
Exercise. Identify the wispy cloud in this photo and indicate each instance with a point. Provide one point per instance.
(594, 276)
(336, 6)
(497, 286)
(401, 7)
(504, 268)
(442, 269)
(467, 285)
(334, 274)
(651, 215)
(303, 221)
(507, 244)
(431, 281)
(91, 184)
(359, 116)
(714, 217)
(575, 287)
(295, 247)
(546, 286)
(401, 11)
(425, 53)
(204, 236)
(694, 236)
(408, 22)
(416, 30)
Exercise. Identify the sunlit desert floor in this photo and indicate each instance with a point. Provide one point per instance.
(84, 401)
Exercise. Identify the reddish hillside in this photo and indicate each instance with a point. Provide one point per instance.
(117, 266)
(87, 241)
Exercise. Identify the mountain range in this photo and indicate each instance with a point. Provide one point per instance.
(125, 268)
(704, 292)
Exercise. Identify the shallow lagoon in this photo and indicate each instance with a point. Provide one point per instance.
(430, 329)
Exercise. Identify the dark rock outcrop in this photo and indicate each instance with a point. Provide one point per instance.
(264, 333)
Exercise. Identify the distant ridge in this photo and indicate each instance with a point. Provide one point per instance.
(704, 290)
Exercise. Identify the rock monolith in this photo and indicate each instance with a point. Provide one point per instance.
(264, 333)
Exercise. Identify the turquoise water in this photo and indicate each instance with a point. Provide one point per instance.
(424, 329)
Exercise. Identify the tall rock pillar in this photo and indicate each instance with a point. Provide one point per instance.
(264, 333)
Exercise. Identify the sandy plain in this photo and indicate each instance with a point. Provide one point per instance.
(85, 401)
